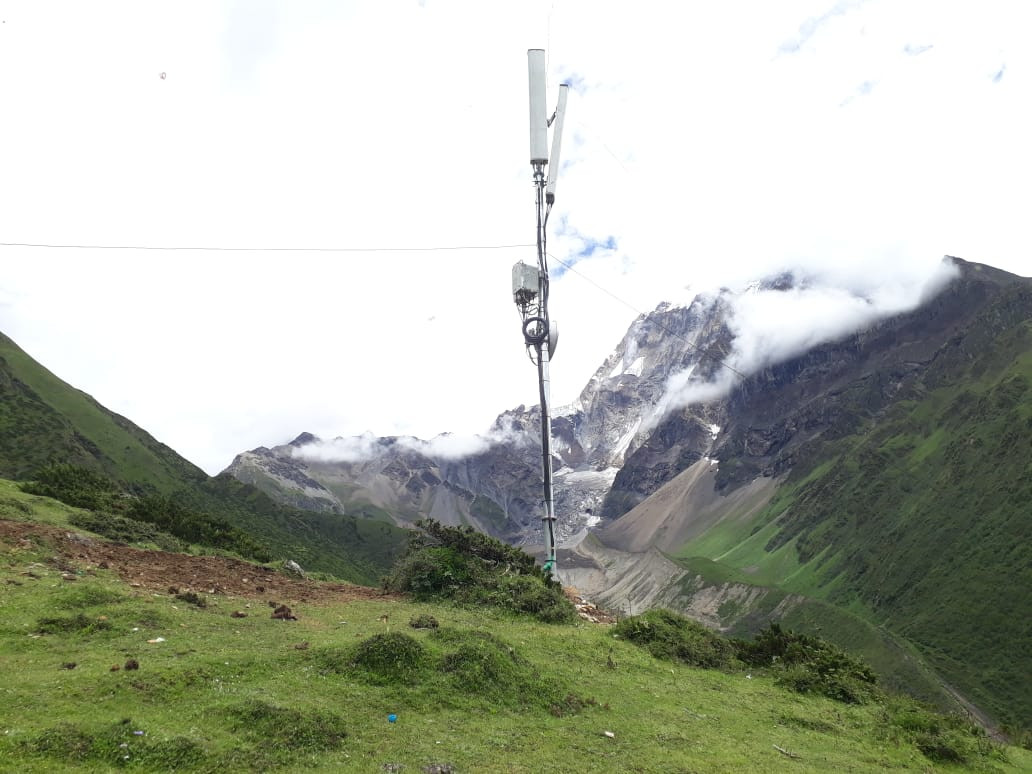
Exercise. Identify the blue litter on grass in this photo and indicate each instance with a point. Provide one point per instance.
(392, 718)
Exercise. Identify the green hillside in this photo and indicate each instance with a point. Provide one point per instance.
(44, 421)
(919, 520)
(107, 668)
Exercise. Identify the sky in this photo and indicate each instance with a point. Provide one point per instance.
(705, 145)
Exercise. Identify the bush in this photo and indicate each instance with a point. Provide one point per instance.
(673, 637)
(522, 595)
(125, 530)
(170, 515)
(940, 738)
(83, 488)
(465, 566)
(433, 572)
(809, 664)
(76, 486)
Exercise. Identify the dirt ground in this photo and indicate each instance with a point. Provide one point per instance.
(162, 571)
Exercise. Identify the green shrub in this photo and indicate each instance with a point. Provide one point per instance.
(807, 664)
(83, 488)
(949, 739)
(125, 530)
(170, 515)
(433, 572)
(673, 637)
(76, 486)
(465, 566)
(524, 595)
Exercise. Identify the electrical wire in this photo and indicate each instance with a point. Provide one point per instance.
(265, 249)
(632, 307)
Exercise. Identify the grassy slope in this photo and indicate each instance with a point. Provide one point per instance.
(899, 667)
(236, 694)
(920, 521)
(43, 419)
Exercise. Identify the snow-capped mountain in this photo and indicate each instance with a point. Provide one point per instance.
(497, 485)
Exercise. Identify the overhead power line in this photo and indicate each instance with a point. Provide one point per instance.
(266, 249)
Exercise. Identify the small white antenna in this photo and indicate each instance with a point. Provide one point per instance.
(557, 141)
(538, 110)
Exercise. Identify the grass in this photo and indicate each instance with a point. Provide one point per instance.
(484, 691)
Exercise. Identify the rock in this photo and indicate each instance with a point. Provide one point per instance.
(294, 568)
(68, 665)
(301, 646)
(132, 664)
(238, 614)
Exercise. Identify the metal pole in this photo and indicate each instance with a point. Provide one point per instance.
(541, 347)
(546, 461)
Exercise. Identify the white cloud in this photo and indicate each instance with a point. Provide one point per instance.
(771, 326)
(355, 449)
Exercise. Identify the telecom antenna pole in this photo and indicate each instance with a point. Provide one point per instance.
(530, 283)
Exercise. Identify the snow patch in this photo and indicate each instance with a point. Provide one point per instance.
(714, 430)
(607, 476)
(625, 441)
(634, 369)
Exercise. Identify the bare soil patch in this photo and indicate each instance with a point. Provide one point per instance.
(162, 571)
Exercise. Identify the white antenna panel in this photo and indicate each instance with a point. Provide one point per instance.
(538, 111)
(557, 141)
